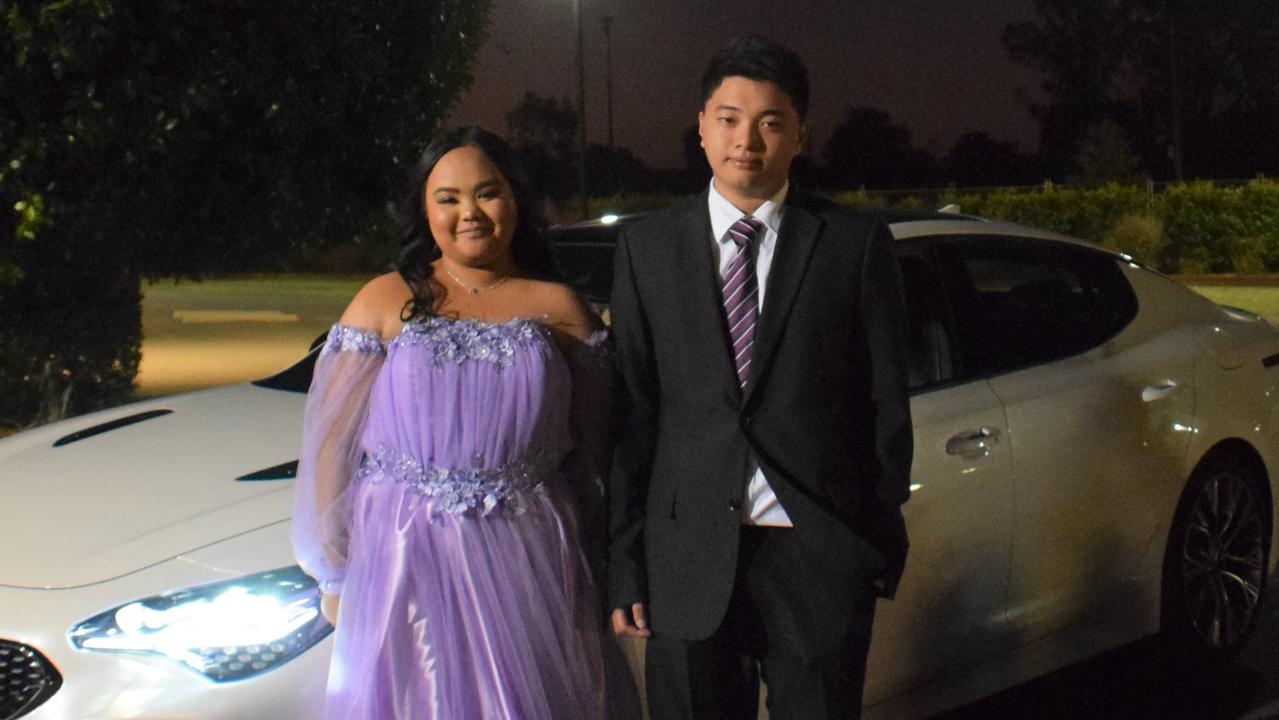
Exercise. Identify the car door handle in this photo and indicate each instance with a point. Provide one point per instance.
(971, 442)
(1158, 391)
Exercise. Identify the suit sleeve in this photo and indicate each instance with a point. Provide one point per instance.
(634, 408)
(884, 314)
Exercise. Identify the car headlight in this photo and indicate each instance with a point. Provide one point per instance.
(226, 630)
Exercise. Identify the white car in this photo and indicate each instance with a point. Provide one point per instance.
(1096, 459)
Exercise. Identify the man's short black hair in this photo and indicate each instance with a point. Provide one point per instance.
(760, 59)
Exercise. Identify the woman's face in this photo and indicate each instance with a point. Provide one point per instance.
(470, 208)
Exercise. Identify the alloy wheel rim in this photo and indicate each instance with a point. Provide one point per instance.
(1223, 560)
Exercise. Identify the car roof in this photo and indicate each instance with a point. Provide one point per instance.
(905, 225)
(889, 216)
(970, 225)
(599, 222)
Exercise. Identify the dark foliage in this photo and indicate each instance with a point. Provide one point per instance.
(867, 150)
(543, 132)
(1199, 80)
(175, 137)
(977, 160)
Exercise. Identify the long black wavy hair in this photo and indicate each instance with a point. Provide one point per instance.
(418, 248)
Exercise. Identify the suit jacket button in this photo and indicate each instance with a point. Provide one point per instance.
(735, 505)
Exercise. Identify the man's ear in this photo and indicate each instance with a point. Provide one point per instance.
(803, 138)
(701, 142)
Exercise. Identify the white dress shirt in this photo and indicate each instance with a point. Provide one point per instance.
(760, 506)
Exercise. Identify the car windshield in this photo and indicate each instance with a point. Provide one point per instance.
(296, 377)
(583, 255)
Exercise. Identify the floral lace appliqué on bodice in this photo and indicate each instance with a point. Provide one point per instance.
(460, 341)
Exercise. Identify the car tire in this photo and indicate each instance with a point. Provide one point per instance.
(1216, 563)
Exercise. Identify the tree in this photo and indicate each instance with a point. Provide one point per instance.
(174, 137)
(1106, 156)
(697, 172)
(978, 160)
(1080, 48)
(612, 171)
(867, 150)
(543, 132)
(1191, 81)
(1211, 85)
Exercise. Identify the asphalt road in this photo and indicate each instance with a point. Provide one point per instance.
(1136, 683)
(224, 331)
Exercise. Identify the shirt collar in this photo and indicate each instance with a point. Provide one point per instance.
(724, 214)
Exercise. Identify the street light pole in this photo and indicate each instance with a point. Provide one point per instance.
(581, 111)
(608, 76)
(1175, 97)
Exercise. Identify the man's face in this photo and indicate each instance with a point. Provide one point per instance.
(750, 132)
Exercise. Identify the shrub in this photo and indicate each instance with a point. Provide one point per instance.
(1140, 235)
(1259, 214)
(1247, 255)
(860, 199)
(1207, 228)
(631, 203)
(71, 334)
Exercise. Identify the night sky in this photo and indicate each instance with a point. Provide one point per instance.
(936, 66)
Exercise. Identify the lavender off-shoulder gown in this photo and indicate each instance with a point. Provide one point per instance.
(431, 495)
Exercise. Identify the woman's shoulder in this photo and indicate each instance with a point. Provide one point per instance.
(377, 305)
(564, 310)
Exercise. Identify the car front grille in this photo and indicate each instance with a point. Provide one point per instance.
(27, 679)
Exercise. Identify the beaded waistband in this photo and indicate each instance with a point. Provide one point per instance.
(456, 490)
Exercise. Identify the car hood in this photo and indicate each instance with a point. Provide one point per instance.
(102, 495)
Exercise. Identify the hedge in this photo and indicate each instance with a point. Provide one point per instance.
(1197, 227)
(71, 333)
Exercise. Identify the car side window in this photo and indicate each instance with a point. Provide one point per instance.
(930, 348)
(583, 256)
(1024, 302)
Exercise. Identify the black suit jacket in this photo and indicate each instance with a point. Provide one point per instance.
(825, 412)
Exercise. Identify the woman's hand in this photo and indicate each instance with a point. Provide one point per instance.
(631, 624)
(329, 608)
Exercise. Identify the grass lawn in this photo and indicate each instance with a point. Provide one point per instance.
(1261, 300)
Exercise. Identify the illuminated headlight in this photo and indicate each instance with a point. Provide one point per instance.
(225, 630)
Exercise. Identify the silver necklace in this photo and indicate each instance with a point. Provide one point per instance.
(471, 289)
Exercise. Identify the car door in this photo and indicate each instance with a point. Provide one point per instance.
(1091, 399)
(949, 611)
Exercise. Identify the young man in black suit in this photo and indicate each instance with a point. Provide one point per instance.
(763, 420)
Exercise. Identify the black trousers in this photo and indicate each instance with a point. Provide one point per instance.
(778, 628)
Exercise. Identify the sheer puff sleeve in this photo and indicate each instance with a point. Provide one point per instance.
(336, 408)
(589, 364)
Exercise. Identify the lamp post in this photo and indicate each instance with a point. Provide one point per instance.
(581, 111)
(1175, 94)
(1174, 149)
(608, 76)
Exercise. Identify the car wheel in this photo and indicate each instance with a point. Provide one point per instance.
(1215, 567)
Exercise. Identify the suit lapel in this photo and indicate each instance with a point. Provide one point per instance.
(699, 292)
(795, 243)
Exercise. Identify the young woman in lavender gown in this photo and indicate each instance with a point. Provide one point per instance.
(447, 488)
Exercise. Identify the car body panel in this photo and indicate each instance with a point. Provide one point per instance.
(144, 493)
(112, 685)
(1098, 441)
(956, 591)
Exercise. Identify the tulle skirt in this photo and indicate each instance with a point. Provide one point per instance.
(453, 616)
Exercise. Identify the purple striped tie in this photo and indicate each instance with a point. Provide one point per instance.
(741, 295)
